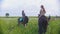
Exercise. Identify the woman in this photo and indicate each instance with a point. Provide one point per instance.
(42, 21)
(24, 19)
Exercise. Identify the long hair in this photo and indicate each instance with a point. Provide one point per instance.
(42, 11)
(42, 7)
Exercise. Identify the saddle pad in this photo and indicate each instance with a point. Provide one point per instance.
(21, 19)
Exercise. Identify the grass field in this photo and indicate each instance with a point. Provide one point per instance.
(9, 26)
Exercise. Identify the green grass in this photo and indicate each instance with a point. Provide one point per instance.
(9, 26)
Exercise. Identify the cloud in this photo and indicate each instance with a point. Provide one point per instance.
(31, 7)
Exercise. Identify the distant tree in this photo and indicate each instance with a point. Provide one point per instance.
(7, 14)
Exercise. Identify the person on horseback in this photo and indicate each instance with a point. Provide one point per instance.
(42, 21)
(23, 19)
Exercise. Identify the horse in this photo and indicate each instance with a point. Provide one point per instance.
(23, 20)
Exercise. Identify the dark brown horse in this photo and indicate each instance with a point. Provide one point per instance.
(24, 20)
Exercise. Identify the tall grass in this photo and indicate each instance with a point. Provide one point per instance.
(9, 26)
(1, 32)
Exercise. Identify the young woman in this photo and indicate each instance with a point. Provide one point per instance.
(42, 21)
(24, 19)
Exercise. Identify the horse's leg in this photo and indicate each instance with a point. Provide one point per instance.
(25, 25)
(18, 23)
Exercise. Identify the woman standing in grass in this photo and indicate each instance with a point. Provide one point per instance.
(42, 21)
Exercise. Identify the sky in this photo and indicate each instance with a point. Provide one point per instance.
(31, 7)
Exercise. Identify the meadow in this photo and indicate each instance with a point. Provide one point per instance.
(9, 26)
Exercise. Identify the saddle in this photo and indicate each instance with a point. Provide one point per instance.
(21, 19)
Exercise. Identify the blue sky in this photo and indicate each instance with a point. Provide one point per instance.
(31, 7)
